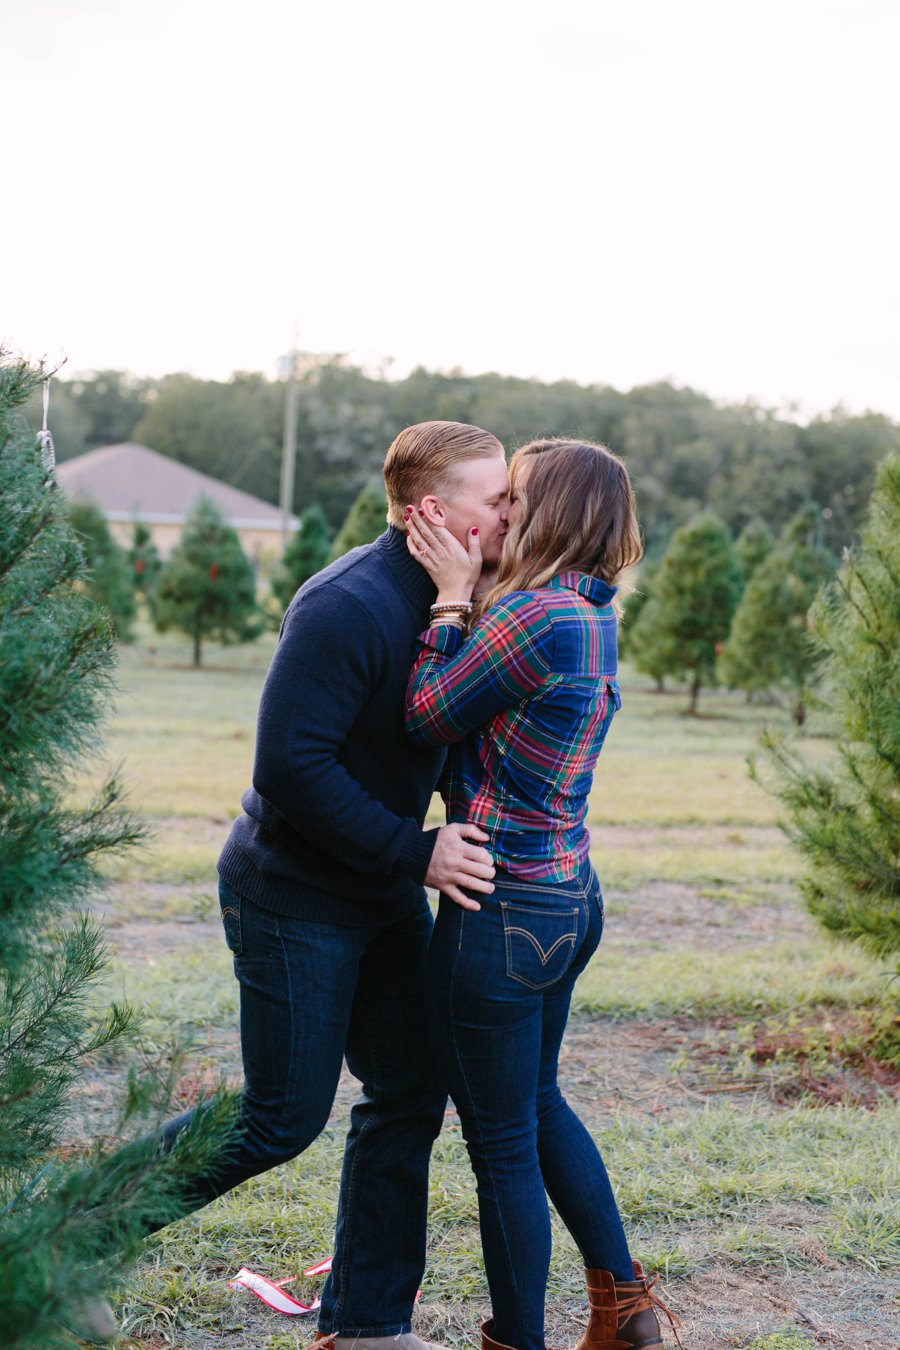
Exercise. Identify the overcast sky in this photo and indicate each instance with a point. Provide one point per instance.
(701, 190)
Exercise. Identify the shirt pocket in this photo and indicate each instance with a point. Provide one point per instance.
(540, 943)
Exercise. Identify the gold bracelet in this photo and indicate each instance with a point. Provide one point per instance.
(453, 606)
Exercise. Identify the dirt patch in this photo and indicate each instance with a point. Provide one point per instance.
(141, 938)
(849, 1058)
(608, 1067)
(664, 1068)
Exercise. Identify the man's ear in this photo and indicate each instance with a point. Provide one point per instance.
(433, 508)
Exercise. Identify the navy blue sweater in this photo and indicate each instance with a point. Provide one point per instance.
(331, 829)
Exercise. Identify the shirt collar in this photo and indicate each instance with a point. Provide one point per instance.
(592, 588)
(412, 578)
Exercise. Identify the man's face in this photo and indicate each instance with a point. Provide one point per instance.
(481, 500)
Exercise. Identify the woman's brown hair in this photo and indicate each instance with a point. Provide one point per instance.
(578, 515)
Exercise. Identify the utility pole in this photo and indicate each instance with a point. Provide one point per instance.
(289, 448)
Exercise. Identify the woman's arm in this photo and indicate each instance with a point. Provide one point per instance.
(456, 686)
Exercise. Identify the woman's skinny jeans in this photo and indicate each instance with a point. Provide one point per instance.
(500, 984)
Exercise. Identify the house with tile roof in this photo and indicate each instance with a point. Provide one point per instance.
(132, 482)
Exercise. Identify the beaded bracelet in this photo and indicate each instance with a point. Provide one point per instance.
(454, 606)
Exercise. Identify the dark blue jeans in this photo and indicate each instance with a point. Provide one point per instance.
(500, 985)
(311, 993)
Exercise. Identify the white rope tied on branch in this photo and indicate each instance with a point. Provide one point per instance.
(44, 439)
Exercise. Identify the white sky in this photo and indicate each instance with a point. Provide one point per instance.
(700, 190)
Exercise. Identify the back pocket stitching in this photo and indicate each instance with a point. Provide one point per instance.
(234, 936)
(509, 929)
(543, 956)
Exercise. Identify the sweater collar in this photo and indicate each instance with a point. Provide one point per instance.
(412, 578)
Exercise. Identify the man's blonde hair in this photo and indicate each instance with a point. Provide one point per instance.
(425, 458)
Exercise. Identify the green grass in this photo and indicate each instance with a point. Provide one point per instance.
(640, 976)
(693, 1193)
(660, 767)
(782, 1340)
(186, 990)
(723, 1163)
(178, 851)
(180, 995)
(752, 861)
(704, 924)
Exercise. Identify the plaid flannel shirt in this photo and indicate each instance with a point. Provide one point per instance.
(525, 701)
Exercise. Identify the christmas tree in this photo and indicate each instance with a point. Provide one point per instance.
(365, 521)
(695, 593)
(845, 816)
(109, 575)
(770, 648)
(307, 553)
(68, 1220)
(145, 563)
(753, 545)
(208, 589)
(633, 602)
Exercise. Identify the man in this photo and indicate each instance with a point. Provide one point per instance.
(321, 886)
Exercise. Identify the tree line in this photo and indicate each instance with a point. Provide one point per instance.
(686, 452)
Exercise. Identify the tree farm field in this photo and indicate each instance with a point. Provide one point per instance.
(732, 1061)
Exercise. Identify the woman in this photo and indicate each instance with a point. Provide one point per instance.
(525, 701)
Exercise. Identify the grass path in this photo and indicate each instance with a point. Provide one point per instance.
(721, 1050)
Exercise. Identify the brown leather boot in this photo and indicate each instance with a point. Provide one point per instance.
(487, 1337)
(623, 1313)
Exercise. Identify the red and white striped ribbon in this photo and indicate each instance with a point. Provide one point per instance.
(272, 1293)
(321, 1269)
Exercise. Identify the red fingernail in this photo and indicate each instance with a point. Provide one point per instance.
(421, 512)
(475, 531)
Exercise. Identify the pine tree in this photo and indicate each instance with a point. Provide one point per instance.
(689, 612)
(634, 603)
(364, 522)
(108, 571)
(208, 589)
(753, 545)
(845, 817)
(308, 550)
(68, 1221)
(770, 648)
(145, 563)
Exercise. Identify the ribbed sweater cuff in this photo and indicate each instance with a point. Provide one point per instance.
(415, 855)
